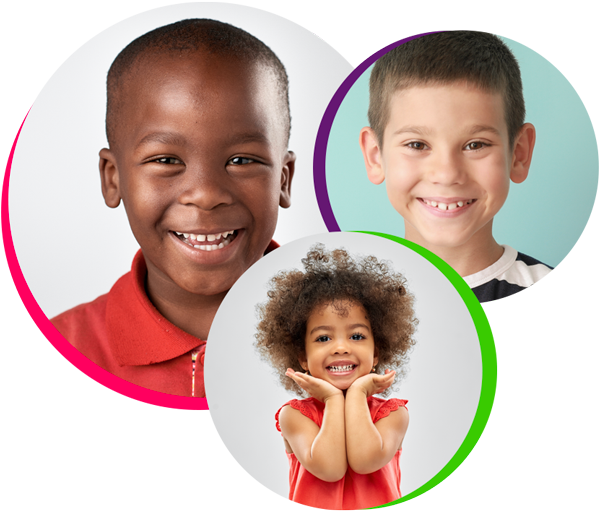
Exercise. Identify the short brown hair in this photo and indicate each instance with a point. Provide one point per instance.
(334, 277)
(478, 58)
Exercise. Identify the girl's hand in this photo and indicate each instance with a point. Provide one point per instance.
(372, 384)
(317, 388)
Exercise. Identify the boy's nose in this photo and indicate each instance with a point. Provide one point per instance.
(206, 187)
(446, 169)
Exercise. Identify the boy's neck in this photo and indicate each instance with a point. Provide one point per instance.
(190, 312)
(471, 257)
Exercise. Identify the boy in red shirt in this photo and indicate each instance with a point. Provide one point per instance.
(198, 125)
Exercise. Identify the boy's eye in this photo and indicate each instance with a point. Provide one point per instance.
(475, 146)
(241, 160)
(323, 338)
(357, 336)
(168, 160)
(418, 146)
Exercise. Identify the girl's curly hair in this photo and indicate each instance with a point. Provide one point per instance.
(335, 277)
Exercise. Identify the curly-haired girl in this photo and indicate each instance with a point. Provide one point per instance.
(335, 332)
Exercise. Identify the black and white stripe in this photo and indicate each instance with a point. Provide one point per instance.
(512, 273)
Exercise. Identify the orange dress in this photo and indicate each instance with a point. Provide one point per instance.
(354, 491)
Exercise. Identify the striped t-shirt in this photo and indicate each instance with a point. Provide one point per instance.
(510, 274)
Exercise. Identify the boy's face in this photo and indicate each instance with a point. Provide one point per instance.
(447, 162)
(201, 163)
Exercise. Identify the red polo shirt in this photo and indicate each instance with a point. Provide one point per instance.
(123, 333)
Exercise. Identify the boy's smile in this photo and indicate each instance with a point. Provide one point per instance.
(200, 161)
(339, 349)
(447, 162)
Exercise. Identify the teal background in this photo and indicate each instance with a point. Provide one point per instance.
(542, 217)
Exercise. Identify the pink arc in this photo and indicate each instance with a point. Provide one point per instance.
(58, 341)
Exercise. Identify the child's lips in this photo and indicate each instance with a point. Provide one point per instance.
(207, 242)
(215, 251)
(341, 368)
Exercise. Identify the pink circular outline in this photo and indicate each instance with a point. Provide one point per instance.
(75, 357)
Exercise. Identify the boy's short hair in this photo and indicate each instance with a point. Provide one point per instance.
(192, 35)
(479, 58)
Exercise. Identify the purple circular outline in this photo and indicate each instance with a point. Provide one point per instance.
(319, 173)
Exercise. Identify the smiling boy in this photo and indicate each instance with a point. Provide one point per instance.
(447, 133)
(198, 126)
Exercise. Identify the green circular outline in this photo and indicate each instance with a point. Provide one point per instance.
(485, 319)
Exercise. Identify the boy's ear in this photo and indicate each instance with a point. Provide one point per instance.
(375, 358)
(372, 155)
(109, 177)
(287, 174)
(522, 153)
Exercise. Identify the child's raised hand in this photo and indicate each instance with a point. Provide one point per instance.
(372, 384)
(317, 388)
(588, 268)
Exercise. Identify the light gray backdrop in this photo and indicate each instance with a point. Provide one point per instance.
(442, 385)
(70, 246)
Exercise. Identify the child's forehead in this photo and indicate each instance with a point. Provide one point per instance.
(432, 99)
(194, 77)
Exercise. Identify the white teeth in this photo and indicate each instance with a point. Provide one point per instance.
(447, 206)
(341, 368)
(202, 237)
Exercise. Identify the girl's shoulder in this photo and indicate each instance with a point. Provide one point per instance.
(381, 408)
(309, 407)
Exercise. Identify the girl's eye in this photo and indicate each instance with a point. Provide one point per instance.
(475, 146)
(417, 146)
(322, 339)
(357, 336)
(241, 160)
(168, 160)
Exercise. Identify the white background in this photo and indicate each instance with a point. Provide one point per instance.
(71, 447)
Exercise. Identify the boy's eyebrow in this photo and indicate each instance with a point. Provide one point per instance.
(424, 130)
(478, 128)
(421, 130)
(174, 139)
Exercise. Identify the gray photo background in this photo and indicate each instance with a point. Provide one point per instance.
(70, 246)
(442, 385)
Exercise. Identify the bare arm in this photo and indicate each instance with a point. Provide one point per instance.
(371, 446)
(322, 451)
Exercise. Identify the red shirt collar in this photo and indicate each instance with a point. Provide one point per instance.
(138, 333)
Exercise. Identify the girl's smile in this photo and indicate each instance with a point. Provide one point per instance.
(339, 345)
